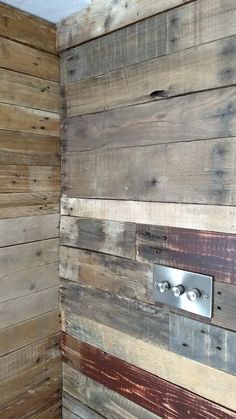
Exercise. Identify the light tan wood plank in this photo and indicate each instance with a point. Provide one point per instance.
(201, 172)
(29, 281)
(199, 217)
(199, 116)
(29, 331)
(28, 229)
(27, 148)
(105, 16)
(26, 256)
(19, 118)
(195, 69)
(53, 412)
(27, 29)
(14, 205)
(105, 401)
(14, 178)
(23, 308)
(216, 386)
(32, 92)
(27, 60)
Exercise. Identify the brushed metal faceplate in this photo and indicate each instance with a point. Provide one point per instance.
(190, 284)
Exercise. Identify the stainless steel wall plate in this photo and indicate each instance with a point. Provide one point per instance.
(183, 289)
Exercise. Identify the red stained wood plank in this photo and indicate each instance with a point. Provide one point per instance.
(145, 389)
(204, 252)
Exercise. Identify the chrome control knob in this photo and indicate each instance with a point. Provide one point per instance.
(178, 290)
(163, 286)
(193, 295)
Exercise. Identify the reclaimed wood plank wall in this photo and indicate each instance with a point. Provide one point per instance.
(148, 141)
(30, 361)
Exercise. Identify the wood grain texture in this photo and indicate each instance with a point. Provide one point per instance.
(29, 331)
(205, 175)
(225, 305)
(172, 74)
(73, 408)
(13, 205)
(19, 118)
(217, 386)
(116, 275)
(27, 60)
(180, 28)
(202, 217)
(102, 236)
(199, 116)
(146, 322)
(27, 29)
(106, 402)
(207, 344)
(137, 385)
(204, 252)
(32, 92)
(28, 229)
(106, 16)
(53, 412)
(30, 149)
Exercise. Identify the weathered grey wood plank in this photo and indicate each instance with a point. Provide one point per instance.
(146, 322)
(225, 305)
(73, 408)
(199, 116)
(116, 275)
(102, 236)
(204, 343)
(105, 401)
(200, 172)
(203, 67)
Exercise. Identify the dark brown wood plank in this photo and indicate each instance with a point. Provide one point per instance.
(144, 321)
(200, 172)
(204, 252)
(204, 343)
(143, 388)
(205, 115)
(102, 236)
(116, 275)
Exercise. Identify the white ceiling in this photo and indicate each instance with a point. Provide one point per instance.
(52, 10)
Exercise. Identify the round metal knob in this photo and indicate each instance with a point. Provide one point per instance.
(193, 295)
(163, 286)
(178, 290)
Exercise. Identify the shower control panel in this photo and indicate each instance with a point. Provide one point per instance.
(186, 290)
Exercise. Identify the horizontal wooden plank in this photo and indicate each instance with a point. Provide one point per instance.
(24, 308)
(53, 412)
(28, 281)
(105, 401)
(146, 322)
(183, 27)
(14, 205)
(199, 116)
(204, 252)
(207, 344)
(19, 118)
(25, 256)
(224, 305)
(28, 229)
(202, 217)
(27, 29)
(28, 148)
(217, 386)
(116, 275)
(106, 16)
(32, 92)
(136, 384)
(203, 67)
(16, 178)
(73, 408)
(200, 172)
(29, 331)
(102, 236)
(27, 60)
